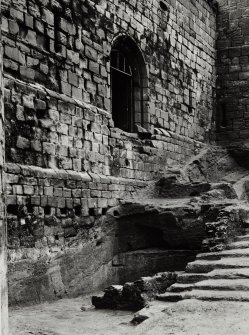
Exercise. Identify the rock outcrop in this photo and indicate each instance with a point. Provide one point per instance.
(134, 296)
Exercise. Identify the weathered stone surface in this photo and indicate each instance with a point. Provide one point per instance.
(226, 188)
(227, 222)
(169, 187)
(240, 155)
(212, 165)
(132, 265)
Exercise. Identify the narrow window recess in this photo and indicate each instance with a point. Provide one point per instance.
(122, 92)
(128, 84)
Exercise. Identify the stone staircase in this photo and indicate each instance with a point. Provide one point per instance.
(222, 275)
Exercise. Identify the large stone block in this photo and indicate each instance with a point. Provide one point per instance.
(134, 296)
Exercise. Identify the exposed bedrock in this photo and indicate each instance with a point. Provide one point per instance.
(240, 153)
(130, 241)
(212, 165)
(116, 250)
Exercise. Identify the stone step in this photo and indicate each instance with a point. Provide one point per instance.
(205, 266)
(215, 295)
(223, 284)
(243, 237)
(242, 244)
(213, 284)
(208, 295)
(188, 278)
(226, 253)
(169, 297)
(178, 287)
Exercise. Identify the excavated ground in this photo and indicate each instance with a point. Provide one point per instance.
(189, 317)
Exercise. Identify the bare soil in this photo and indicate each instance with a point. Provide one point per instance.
(65, 317)
(189, 317)
(193, 317)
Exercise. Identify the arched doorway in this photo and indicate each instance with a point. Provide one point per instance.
(128, 83)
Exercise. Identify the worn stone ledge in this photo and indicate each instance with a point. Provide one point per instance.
(60, 96)
(30, 170)
(171, 135)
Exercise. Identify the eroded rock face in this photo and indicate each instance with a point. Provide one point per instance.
(211, 165)
(223, 223)
(117, 249)
(170, 187)
(207, 221)
(132, 265)
(134, 296)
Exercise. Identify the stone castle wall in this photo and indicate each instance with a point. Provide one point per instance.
(233, 72)
(66, 162)
(3, 237)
